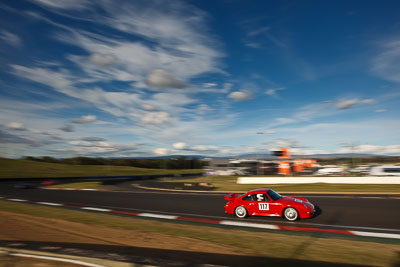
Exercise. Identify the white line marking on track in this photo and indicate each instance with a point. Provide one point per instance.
(95, 209)
(17, 200)
(57, 259)
(253, 225)
(254, 219)
(369, 234)
(158, 212)
(159, 216)
(49, 203)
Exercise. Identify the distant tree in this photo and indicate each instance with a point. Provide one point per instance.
(49, 159)
(31, 158)
(173, 163)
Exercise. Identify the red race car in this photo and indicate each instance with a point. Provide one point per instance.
(267, 202)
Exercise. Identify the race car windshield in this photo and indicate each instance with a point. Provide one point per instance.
(274, 195)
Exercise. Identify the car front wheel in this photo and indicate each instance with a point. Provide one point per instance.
(241, 212)
(290, 214)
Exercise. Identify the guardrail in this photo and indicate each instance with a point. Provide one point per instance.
(312, 180)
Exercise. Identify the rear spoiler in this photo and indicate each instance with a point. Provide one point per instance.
(231, 196)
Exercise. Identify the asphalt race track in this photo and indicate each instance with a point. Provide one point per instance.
(358, 213)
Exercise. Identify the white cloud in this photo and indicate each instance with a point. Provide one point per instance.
(149, 107)
(60, 81)
(85, 119)
(16, 126)
(179, 145)
(10, 38)
(368, 101)
(326, 136)
(156, 117)
(258, 31)
(209, 85)
(67, 128)
(102, 60)
(62, 4)
(93, 139)
(83, 147)
(348, 103)
(180, 41)
(273, 91)
(180, 44)
(86, 150)
(253, 45)
(90, 143)
(46, 133)
(282, 142)
(226, 87)
(120, 104)
(205, 148)
(203, 109)
(345, 104)
(387, 63)
(240, 95)
(161, 151)
(380, 110)
(161, 79)
(200, 148)
(281, 121)
(373, 149)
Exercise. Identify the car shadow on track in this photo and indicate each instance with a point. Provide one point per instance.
(160, 257)
(318, 212)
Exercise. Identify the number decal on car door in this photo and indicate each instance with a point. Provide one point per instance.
(263, 206)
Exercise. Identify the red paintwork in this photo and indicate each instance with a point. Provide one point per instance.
(48, 183)
(269, 207)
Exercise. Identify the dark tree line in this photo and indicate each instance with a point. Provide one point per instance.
(172, 163)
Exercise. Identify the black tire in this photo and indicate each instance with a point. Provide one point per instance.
(241, 212)
(290, 214)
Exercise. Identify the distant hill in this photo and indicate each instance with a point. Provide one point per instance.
(169, 157)
(259, 156)
(270, 156)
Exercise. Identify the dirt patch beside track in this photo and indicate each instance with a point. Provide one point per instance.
(64, 237)
(20, 227)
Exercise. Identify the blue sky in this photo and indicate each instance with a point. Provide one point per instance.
(146, 78)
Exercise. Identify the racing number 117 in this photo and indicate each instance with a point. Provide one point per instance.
(263, 206)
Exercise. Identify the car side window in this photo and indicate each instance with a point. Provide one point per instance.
(248, 198)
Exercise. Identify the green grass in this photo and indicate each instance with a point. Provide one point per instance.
(305, 246)
(228, 184)
(11, 168)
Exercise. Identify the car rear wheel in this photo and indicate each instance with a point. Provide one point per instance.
(241, 212)
(290, 214)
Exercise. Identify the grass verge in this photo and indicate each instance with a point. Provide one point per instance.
(228, 184)
(11, 168)
(303, 246)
